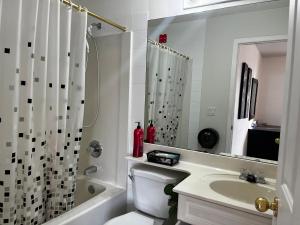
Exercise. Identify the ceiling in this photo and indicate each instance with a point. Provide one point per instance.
(272, 48)
(220, 12)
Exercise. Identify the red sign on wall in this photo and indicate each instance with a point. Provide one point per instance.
(163, 38)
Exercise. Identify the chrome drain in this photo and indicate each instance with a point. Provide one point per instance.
(91, 189)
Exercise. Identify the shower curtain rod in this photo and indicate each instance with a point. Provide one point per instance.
(168, 48)
(81, 9)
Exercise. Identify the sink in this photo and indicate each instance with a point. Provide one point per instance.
(242, 191)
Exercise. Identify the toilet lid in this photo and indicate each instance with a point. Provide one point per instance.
(132, 218)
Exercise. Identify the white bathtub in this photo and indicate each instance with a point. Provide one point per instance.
(96, 202)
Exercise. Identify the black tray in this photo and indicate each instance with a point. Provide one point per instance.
(164, 158)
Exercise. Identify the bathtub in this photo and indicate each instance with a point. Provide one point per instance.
(95, 203)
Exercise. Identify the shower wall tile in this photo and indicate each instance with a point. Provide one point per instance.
(139, 21)
(106, 129)
(196, 85)
(139, 58)
(138, 103)
(137, 110)
(139, 74)
(139, 6)
(140, 41)
(195, 96)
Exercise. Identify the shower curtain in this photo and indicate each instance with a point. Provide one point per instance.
(42, 68)
(166, 78)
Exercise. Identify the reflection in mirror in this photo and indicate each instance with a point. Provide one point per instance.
(215, 81)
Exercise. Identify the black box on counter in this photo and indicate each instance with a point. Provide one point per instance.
(162, 157)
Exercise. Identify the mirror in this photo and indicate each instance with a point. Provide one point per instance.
(215, 80)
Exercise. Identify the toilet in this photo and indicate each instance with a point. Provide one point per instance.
(151, 202)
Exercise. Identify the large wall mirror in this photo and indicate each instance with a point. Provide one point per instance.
(215, 81)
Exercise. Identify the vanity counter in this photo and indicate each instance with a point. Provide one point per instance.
(197, 184)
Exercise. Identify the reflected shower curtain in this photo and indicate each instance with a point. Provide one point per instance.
(166, 77)
(42, 68)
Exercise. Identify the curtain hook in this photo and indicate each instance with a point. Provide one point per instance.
(85, 9)
(70, 3)
(82, 9)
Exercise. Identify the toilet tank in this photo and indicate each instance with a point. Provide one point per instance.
(148, 189)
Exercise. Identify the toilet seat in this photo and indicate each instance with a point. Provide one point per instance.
(132, 218)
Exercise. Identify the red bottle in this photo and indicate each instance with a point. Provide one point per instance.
(151, 133)
(138, 141)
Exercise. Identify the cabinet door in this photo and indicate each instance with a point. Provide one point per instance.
(198, 212)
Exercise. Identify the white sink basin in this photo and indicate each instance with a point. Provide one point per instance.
(242, 191)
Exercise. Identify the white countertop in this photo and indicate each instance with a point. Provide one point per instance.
(196, 185)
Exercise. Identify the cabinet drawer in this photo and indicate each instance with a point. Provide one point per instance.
(198, 212)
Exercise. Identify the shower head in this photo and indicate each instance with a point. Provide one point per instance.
(98, 26)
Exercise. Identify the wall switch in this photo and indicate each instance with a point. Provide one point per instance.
(211, 111)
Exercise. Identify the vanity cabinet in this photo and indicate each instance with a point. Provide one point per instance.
(199, 212)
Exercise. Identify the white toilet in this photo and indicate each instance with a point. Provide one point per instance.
(149, 198)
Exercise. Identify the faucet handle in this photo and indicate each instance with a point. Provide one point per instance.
(90, 170)
(95, 149)
(244, 174)
(260, 178)
(247, 176)
(251, 177)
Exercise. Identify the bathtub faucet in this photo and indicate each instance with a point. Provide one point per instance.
(90, 170)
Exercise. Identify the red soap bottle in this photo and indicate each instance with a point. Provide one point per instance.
(138, 141)
(151, 133)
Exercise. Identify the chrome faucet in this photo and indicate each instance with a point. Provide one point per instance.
(90, 170)
(252, 177)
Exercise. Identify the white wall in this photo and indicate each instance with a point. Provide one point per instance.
(270, 90)
(187, 37)
(250, 55)
(221, 33)
(107, 128)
